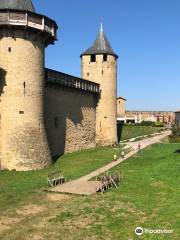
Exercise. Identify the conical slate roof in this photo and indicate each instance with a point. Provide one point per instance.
(17, 5)
(100, 46)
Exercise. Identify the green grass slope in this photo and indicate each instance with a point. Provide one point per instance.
(127, 132)
(148, 197)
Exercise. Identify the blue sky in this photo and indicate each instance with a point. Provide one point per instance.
(144, 33)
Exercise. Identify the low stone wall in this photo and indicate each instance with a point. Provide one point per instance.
(69, 119)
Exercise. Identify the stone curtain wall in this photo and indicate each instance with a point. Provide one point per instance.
(70, 119)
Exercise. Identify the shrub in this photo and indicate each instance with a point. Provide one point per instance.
(176, 131)
(175, 137)
(146, 123)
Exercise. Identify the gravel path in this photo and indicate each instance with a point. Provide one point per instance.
(83, 186)
(144, 143)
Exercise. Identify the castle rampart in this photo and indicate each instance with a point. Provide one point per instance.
(70, 112)
(24, 36)
(45, 113)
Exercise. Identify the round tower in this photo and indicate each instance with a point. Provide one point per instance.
(99, 64)
(24, 34)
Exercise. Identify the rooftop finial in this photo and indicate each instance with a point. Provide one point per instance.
(101, 29)
(101, 44)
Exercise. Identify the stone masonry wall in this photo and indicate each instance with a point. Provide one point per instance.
(23, 140)
(178, 119)
(70, 119)
(105, 74)
(121, 110)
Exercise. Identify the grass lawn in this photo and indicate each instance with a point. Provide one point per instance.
(16, 187)
(148, 197)
(127, 132)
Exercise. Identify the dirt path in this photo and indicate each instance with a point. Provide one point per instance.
(83, 186)
(144, 144)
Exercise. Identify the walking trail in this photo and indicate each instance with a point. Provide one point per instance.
(85, 187)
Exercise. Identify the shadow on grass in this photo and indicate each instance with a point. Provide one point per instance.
(119, 130)
(177, 151)
(56, 158)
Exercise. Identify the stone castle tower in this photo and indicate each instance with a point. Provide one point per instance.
(24, 34)
(99, 64)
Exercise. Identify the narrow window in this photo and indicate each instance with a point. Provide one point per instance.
(39, 127)
(102, 72)
(24, 86)
(56, 122)
(9, 49)
(93, 58)
(87, 74)
(105, 58)
(21, 112)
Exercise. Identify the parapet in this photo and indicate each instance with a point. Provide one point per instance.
(67, 80)
(20, 19)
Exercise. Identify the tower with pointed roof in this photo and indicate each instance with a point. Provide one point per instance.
(24, 34)
(99, 64)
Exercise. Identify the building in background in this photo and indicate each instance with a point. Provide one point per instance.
(166, 117)
(121, 107)
(177, 118)
(127, 116)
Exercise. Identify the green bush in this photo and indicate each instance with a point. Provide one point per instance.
(148, 123)
(145, 123)
(174, 139)
(176, 131)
